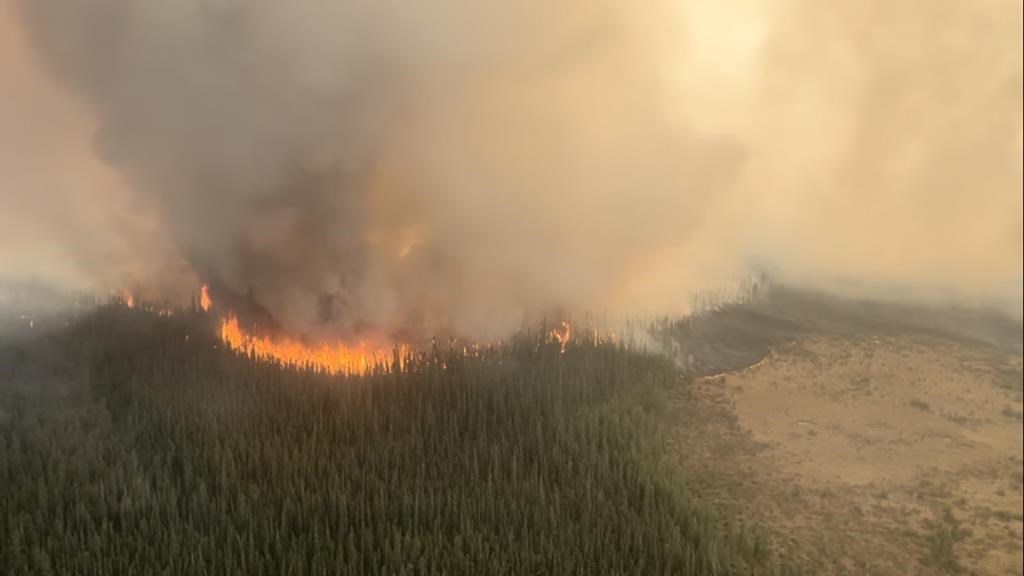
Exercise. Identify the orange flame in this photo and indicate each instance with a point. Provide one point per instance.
(204, 298)
(562, 335)
(338, 358)
(129, 299)
(330, 358)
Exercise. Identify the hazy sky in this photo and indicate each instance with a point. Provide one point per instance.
(470, 165)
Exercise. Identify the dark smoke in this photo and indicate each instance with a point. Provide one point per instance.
(456, 166)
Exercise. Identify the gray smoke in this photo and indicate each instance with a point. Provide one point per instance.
(381, 166)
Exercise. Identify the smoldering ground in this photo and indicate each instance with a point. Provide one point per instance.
(466, 167)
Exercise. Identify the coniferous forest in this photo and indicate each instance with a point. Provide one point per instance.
(132, 443)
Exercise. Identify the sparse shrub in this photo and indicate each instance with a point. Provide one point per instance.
(920, 405)
(1013, 414)
(945, 533)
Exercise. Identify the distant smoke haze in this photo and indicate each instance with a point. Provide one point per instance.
(469, 166)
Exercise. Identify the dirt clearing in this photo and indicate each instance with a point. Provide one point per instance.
(866, 455)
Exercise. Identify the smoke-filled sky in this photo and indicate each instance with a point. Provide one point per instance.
(467, 166)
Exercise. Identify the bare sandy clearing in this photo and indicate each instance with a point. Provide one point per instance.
(892, 455)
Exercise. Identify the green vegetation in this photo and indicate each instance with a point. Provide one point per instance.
(943, 537)
(920, 405)
(1013, 414)
(133, 444)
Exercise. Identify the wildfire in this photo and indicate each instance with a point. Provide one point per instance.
(330, 358)
(334, 358)
(339, 358)
(204, 298)
(562, 335)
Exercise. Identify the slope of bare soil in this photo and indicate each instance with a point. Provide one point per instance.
(895, 454)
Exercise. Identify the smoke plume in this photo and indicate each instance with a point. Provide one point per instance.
(468, 166)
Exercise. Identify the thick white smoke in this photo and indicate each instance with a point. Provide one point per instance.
(467, 166)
